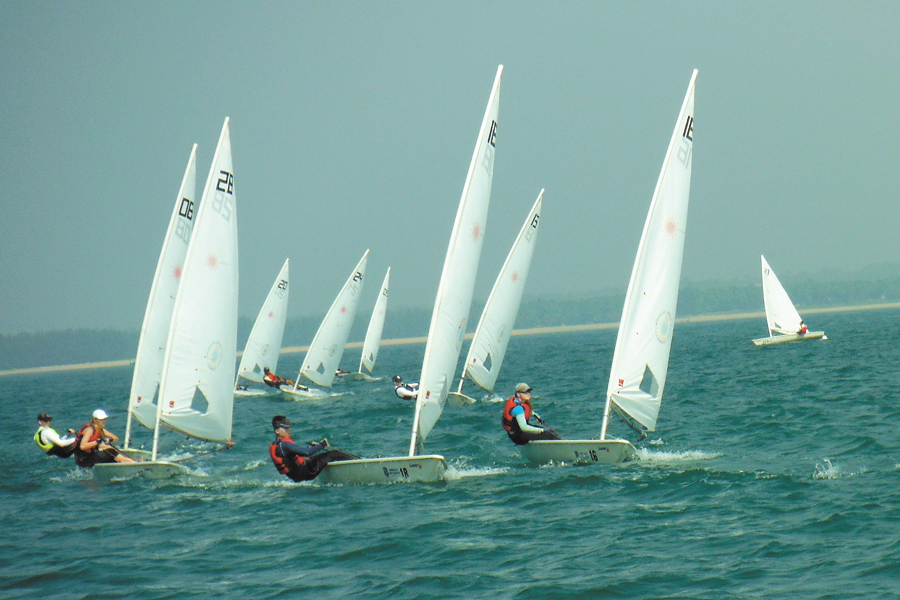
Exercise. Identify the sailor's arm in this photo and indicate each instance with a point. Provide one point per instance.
(524, 426)
(51, 436)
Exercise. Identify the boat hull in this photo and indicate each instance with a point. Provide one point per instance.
(792, 337)
(142, 470)
(396, 469)
(455, 399)
(578, 452)
(358, 377)
(255, 393)
(310, 394)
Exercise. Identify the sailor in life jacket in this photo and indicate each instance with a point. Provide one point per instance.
(273, 380)
(299, 463)
(92, 443)
(405, 391)
(803, 329)
(516, 413)
(50, 442)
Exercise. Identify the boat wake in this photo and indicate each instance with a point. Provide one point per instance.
(455, 474)
(658, 456)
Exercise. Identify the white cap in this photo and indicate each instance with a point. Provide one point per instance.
(100, 414)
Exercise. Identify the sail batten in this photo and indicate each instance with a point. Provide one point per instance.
(648, 317)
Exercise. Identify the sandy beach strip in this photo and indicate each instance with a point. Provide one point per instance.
(516, 332)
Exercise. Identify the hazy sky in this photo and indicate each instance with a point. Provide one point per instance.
(353, 125)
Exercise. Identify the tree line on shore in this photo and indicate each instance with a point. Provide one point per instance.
(75, 346)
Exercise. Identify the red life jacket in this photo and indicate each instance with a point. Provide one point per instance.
(507, 420)
(271, 379)
(278, 461)
(93, 438)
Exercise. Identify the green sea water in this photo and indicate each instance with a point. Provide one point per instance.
(774, 473)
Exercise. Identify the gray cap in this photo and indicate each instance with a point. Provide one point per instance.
(522, 387)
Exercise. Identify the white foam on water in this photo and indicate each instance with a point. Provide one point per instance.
(454, 474)
(659, 456)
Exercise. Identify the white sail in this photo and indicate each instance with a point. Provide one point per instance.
(327, 348)
(376, 326)
(155, 330)
(454, 297)
(781, 315)
(264, 343)
(638, 375)
(492, 334)
(196, 392)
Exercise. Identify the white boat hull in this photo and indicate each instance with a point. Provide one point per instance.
(310, 394)
(456, 399)
(427, 468)
(358, 377)
(143, 470)
(578, 452)
(255, 393)
(792, 337)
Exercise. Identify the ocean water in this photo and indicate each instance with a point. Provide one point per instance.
(774, 473)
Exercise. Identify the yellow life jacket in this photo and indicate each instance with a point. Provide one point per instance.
(45, 446)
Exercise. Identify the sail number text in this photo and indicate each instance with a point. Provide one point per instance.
(183, 226)
(402, 472)
(686, 149)
(223, 199)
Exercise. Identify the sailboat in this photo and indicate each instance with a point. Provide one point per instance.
(151, 350)
(448, 322)
(785, 324)
(197, 382)
(499, 315)
(373, 337)
(640, 363)
(327, 347)
(264, 343)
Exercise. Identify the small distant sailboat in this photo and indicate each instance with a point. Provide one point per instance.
(448, 322)
(264, 343)
(785, 324)
(373, 337)
(197, 382)
(641, 360)
(148, 362)
(327, 348)
(491, 337)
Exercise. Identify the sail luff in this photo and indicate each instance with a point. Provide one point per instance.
(640, 363)
(148, 361)
(454, 297)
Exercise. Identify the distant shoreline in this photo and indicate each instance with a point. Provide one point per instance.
(516, 332)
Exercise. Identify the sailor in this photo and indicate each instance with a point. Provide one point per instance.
(273, 380)
(405, 391)
(803, 329)
(516, 413)
(300, 463)
(92, 443)
(50, 442)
